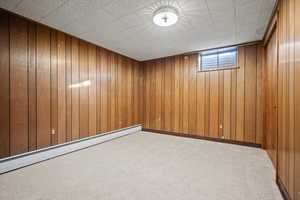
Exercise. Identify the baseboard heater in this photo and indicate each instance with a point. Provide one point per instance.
(29, 158)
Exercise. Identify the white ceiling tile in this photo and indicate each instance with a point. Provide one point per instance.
(126, 26)
(73, 10)
(220, 5)
(119, 8)
(37, 9)
(9, 4)
(224, 15)
(90, 22)
(188, 5)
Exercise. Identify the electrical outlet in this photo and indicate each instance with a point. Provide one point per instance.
(221, 126)
(53, 132)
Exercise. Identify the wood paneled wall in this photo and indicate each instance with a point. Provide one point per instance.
(57, 88)
(288, 133)
(226, 103)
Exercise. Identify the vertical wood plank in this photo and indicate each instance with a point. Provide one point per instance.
(167, 97)
(4, 86)
(32, 86)
(75, 88)
(163, 102)
(177, 101)
(152, 96)
(68, 88)
(61, 82)
(297, 102)
(172, 93)
(181, 89)
(250, 94)
(43, 87)
(227, 105)
(200, 103)
(18, 86)
(192, 93)
(113, 92)
(92, 90)
(271, 117)
(240, 95)
(281, 99)
(214, 105)
(98, 88)
(135, 93)
(53, 79)
(279, 94)
(177, 95)
(147, 94)
(207, 104)
(260, 96)
(142, 94)
(120, 98)
(125, 89)
(185, 110)
(83, 90)
(108, 86)
(118, 92)
(291, 91)
(152, 91)
(129, 93)
(221, 103)
(233, 99)
(104, 88)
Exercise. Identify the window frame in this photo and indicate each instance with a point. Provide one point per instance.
(199, 64)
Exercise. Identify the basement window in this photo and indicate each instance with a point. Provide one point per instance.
(218, 59)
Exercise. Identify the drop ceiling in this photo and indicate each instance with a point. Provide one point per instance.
(126, 26)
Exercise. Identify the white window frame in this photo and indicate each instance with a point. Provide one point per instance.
(218, 51)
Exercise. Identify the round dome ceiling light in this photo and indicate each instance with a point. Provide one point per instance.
(165, 16)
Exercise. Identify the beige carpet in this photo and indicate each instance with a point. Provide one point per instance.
(148, 166)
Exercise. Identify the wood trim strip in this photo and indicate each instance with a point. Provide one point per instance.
(194, 136)
(271, 24)
(282, 189)
(271, 29)
(218, 69)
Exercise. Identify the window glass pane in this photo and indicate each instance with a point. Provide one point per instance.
(227, 59)
(219, 58)
(209, 61)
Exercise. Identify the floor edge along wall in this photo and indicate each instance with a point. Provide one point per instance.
(194, 136)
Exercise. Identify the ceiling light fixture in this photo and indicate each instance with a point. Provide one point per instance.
(165, 16)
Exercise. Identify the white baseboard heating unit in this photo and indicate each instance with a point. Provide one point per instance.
(29, 158)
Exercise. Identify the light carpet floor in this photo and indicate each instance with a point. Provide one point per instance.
(148, 166)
